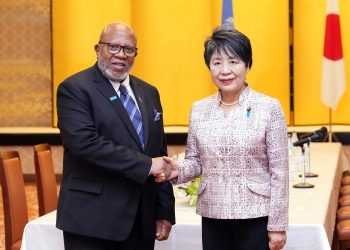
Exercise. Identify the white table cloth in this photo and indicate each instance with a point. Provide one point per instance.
(311, 212)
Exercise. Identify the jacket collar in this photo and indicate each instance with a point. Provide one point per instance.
(106, 88)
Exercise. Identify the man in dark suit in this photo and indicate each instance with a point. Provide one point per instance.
(109, 198)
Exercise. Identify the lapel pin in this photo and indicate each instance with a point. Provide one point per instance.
(113, 98)
(248, 111)
(140, 99)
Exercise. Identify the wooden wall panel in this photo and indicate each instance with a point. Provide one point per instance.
(25, 63)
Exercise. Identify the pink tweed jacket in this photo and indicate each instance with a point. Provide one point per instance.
(243, 159)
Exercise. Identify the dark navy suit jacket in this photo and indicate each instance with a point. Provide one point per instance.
(105, 169)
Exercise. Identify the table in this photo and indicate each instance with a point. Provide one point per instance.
(311, 212)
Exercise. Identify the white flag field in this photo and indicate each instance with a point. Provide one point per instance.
(333, 69)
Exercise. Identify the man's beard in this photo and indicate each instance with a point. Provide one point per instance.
(102, 65)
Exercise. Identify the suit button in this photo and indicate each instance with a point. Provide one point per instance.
(137, 191)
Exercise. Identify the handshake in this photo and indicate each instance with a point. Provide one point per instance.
(164, 168)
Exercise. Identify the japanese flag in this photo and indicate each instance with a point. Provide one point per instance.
(333, 71)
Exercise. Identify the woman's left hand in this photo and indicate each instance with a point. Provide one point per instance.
(277, 239)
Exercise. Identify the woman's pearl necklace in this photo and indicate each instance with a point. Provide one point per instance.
(229, 104)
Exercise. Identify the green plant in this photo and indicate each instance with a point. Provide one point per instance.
(189, 189)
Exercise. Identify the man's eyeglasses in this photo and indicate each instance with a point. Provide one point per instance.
(115, 49)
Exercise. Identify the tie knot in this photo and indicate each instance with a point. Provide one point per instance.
(123, 89)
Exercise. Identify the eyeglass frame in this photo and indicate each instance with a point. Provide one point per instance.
(121, 47)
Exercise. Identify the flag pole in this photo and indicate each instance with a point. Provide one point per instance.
(330, 126)
(331, 135)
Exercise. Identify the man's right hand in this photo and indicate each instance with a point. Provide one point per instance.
(174, 167)
(174, 172)
(160, 168)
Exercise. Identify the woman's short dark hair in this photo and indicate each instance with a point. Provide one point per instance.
(232, 42)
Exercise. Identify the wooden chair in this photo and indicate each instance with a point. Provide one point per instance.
(343, 213)
(14, 199)
(345, 180)
(45, 179)
(344, 190)
(344, 201)
(343, 234)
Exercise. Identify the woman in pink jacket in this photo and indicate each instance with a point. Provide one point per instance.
(237, 142)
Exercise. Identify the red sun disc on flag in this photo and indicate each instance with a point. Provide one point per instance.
(332, 44)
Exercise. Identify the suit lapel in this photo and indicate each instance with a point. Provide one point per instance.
(139, 96)
(106, 88)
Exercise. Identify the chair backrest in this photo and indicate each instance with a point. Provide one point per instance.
(14, 198)
(45, 179)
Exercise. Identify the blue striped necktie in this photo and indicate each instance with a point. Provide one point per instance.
(133, 112)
